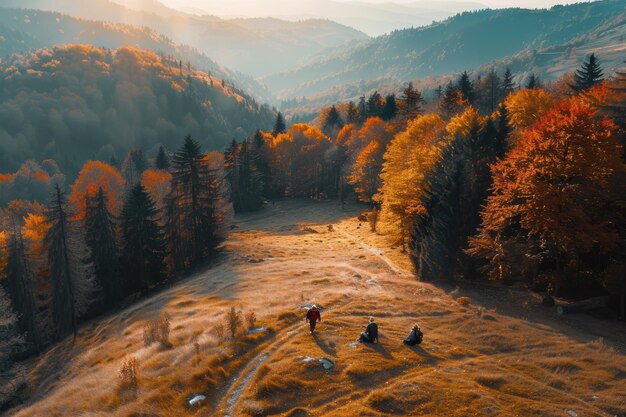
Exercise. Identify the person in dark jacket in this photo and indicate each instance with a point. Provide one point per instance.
(313, 316)
(370, 335)
(415, 337)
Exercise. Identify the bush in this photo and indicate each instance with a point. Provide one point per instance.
(250, 319)
(129, 375)
(234, 321)
(463, 301)
(157, 330)
(219, 331)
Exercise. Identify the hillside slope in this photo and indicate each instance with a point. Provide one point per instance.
(78, 102)
(241, 45)
(27, 30)
(501, 355)
(464, 42)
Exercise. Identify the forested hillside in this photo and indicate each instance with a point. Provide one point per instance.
(27, 30)
(256, 46)
(75, 103)
(564, 34)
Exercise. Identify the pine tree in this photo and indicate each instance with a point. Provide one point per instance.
(10, 339)
(533, 82)
(466, 87)
(332, 123)
(390, 109)
(363, 112)
(588, 75)
(374, 105)
(162, 161)
(102, 241)
(194, 228)
(133, 166)
(449, 104)
(279, 125)
(352, 113)
(508, 86)
(143, 247)
(503, 131)
(410, 102)
(72, 276)
(19, 284)
(489, 92)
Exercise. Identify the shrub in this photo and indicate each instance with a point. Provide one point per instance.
(129, 375)
(219, 330)
(463, 301)
(250, 319)
(234, 321)
(157, 330)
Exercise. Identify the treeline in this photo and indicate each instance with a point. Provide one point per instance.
(115, 235)
(497, 180)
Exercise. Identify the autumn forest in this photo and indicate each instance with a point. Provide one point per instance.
(124, 171)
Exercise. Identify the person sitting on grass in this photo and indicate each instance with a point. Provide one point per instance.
(370, 335)
(313, 316)
(415, 337)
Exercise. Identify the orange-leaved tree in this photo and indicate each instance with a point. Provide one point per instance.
(95, 175)
(375, 135)
(158, 184)
(554, 198)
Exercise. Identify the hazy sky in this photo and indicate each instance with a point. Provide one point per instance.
(258, 6)
(381, 16)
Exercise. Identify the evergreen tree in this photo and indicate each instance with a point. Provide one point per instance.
(102, 241)
(143, 247)
(533, 82)
(279, 125)
(363, 113)
(352, 116)
(259, 147)
(133, 166)
(489, 93)
(162, 161)
(10, 339)
(19, 284)
(466, 87)
(503, 130)
(449, 104)
(374, 105)
(332, 122)
(588, 75)
(458, 187)
(410, 102)
(71, 275)
(390, 109)
(194, 222)
(508, 86)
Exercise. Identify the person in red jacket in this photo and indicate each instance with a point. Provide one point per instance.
(313, 316)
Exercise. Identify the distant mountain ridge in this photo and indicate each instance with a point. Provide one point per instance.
(243, 45)
(27, 30)
(466, 41)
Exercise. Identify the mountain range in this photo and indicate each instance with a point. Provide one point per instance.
(257, 47)
(546, 42)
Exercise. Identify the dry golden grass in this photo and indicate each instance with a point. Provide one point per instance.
(496, 356)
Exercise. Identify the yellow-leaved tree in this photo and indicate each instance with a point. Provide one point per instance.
(409, 157)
